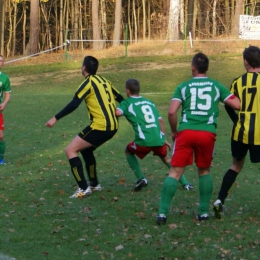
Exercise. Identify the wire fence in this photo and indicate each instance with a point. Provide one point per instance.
(63, 52)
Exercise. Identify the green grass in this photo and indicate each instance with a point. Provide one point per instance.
(39, 221)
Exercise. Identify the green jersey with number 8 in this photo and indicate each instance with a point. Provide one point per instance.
(200, 99)
(144, 117)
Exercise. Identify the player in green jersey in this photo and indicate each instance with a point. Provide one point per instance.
(199, 98)
(99, 95)
(5, 90)
(246, 130)
(149, 132)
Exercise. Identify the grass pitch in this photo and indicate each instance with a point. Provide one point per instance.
(39, 221)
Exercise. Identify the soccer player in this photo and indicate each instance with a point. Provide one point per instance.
(99, 96)
(199, 98)
(5, 90)
(149, 132)
(245, 135)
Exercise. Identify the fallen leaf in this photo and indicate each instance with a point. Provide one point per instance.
(172, 226)
(122, 181)
(119, 247)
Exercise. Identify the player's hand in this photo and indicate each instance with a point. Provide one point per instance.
(168, 145)
(2, 107)
(51, 122)
(173, 136)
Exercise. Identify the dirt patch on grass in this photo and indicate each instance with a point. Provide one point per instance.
(149, 48)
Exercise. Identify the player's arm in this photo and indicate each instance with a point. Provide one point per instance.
(162, 127)
(118, 97)
(231, 113)
(70, 107)
(6, 100)
(233, 102)
(119, 112)
(172, 116)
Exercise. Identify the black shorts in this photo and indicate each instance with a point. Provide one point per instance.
(239, 151)
(96, 137)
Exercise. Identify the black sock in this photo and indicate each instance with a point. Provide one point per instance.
(227, 182)
(90, 164)
(77, 171)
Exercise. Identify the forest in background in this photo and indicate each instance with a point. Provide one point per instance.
(28, 27)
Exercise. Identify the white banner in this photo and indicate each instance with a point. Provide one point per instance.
(249, 27)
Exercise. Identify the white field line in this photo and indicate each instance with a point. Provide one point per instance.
(5, 257)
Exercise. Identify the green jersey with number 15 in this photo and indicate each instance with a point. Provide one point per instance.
(144, 117)
(200, 98)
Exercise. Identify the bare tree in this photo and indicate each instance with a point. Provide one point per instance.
(2, 18)
(173, 25)
(239, 9)
(97, 45)
(118, 15)
(32, 46)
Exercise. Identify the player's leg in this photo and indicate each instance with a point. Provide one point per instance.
(168, 191)
(167, 161)
(203, 150)
(132, 150)
(2, 142)
(239, 151)
(205, 193)
(87, 138)
(76, 145)
(90, 164)
(182, 156)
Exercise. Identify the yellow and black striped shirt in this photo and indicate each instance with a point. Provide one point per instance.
(247, 89)
(99, 95)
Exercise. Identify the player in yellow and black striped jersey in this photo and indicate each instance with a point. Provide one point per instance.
(99, 96)
(246, 130)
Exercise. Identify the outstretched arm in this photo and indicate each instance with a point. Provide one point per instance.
(65, 111)
(172, 116)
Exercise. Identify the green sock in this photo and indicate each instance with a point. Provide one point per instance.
(134, 165)
(182, 180)
(2, 150)
(170, 186)
(205, 191)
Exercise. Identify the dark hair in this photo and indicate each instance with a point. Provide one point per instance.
(200, 62)
(91, 64)
(252, 56)
(133, 86)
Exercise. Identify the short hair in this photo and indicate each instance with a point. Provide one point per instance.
(200, 62)
(91, 64)
(252, 56)
(133, 85)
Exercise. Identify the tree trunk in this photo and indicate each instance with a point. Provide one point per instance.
(95, 25)
(173, 25)
(103, 19)
(144, 20)
(239, 9)
(117, 27)
(149, 19)
(129, 22)
(32, 46)
(194, 18)
(214, 28)
(135, 22)
(24, 26)
(62, 22)
(2, 20)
